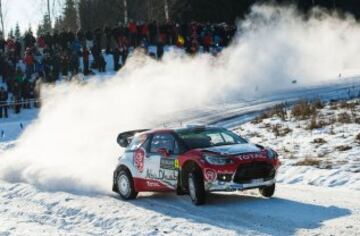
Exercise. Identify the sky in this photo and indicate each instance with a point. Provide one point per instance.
(25, 12)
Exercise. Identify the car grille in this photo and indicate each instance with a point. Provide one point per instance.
(256, 170)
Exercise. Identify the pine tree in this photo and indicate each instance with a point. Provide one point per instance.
(17, 32)
(40, 30)
(70, 16)
(29, 29)
(11, 34)
(58, 24)
(45, 26)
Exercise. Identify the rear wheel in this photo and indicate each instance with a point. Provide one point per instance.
(125, 185)
(267, 191)
(196, 188)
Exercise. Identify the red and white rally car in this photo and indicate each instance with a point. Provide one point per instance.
(192, 160)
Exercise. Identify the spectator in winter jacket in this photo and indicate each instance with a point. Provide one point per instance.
(116, 58)
(17, 96)
(26, 93)
(18, 49)
(132, 27)
(41, 43)
(98, 37)
(108, 36)
(74, 63)
(63, 40)
(64, 62)
(3, 103)
(89, 39)
(76, 46)
(102, 63)
(29, 63)
(56, 65)
(86, 61)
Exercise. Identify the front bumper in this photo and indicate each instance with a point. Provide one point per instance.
(231, 186)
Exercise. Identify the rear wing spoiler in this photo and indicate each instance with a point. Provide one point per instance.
(125, 138)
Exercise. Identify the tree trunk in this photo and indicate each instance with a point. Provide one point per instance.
(49, 10)
(166, 9)
(2, 19)
(125, 12)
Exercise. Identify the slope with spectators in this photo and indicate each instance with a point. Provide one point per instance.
(27, 62)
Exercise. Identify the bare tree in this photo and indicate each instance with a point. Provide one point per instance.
(48, 10)
(166, 10)
(125, 12)
(2, 19)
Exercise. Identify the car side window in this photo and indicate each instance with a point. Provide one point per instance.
(166, 141)
(137, 142)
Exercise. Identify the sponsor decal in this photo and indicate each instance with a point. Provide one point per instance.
(150, 183)
(139, 156)
(210, 175)
(252, 156)
(162, 175)
(177, 164)
(168, 163)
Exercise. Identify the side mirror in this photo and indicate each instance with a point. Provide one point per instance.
(164, 152)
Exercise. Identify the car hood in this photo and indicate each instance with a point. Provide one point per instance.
(234, 149)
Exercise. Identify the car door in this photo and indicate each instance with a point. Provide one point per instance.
(162, 162)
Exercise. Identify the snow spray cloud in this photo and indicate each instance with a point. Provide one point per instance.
(71, 146)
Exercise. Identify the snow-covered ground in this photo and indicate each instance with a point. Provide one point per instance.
(295, 209)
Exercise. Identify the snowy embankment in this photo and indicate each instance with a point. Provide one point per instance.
(318, 145)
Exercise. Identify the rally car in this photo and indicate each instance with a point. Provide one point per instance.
(192, 160)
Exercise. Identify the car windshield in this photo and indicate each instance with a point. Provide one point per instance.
(208, 137)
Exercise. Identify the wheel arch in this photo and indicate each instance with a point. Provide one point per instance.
(187, 167)
(116, 172)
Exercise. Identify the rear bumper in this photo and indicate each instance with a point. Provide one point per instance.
(231, 186)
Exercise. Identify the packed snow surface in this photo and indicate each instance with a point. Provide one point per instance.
(295, 209)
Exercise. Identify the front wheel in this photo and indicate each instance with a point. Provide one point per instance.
(267, 191)
(125, 185)
(196, 188)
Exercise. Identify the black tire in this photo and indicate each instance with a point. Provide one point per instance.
(125, 185)
(196, 188)
(180, 191)
(267, 191)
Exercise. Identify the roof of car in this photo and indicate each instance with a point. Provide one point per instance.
(176, 129)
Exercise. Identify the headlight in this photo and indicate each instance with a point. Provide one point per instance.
(271, 153)
(217, 160)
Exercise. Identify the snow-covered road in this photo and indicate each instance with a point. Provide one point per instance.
(295, 209)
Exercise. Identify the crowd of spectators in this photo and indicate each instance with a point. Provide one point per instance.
(28, 61)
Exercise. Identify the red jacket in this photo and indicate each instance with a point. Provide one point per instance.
(10, 44)
(28, 59)
(132, 27)
(207, 40)
(41, 42)
(145, 30)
